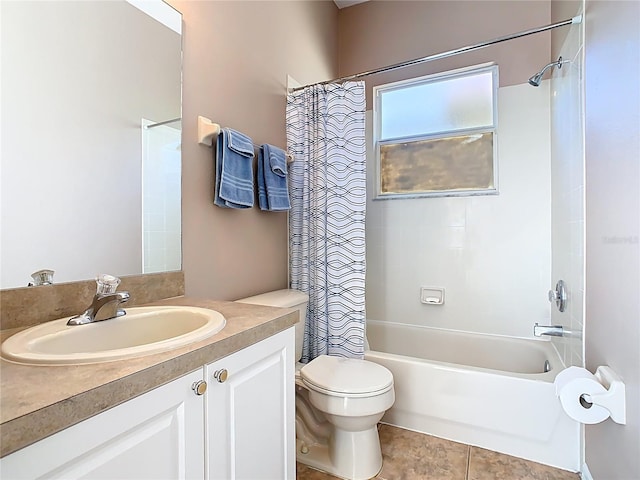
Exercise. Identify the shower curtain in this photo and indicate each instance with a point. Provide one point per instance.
(327, 184)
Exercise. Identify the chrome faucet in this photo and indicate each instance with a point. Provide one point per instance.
(106, 302)
(549, 330)
(103, 307)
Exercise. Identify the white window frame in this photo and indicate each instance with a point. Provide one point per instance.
(377, 129)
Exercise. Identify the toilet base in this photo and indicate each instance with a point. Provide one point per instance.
(349, 455)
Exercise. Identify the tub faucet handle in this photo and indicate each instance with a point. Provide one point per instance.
(559, 295)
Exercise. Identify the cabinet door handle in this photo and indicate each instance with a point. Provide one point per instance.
(221, 375)
(199, 387)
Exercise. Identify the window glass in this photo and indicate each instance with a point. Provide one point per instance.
(453, 163)
(439, 105)
(436, 135)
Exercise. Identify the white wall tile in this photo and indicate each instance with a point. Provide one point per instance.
(567, 158)
(490, 253)
(162, 200)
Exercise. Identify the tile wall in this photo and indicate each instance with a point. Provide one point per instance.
(492, 254)
(567, 193)
(161, 202)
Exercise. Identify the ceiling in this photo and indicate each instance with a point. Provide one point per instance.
(347, 3)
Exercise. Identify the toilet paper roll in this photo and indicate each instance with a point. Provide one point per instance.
(571, 384)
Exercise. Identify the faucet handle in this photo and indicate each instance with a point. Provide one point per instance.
(106, 284)
(42, 277)
(559, 295)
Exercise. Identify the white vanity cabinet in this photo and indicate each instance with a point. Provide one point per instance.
(153, 436)
(250, 412)
(236, 427)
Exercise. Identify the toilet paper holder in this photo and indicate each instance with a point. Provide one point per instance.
(614, 398)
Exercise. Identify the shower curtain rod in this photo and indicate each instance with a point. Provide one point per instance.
(157, 124)
(450, 53)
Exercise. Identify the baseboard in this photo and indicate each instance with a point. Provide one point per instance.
(585, 474)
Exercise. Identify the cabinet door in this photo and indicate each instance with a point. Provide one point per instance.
(158, 435)
(250, 430)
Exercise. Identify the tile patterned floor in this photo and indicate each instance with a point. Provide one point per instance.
(413, 456)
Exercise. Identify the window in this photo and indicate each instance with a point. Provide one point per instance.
(436, 135)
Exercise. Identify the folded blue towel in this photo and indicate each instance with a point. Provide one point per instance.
(273, 192)
(234, 170)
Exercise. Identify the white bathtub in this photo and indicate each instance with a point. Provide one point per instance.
(483, 390)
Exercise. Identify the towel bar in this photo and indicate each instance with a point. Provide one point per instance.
(207, 131)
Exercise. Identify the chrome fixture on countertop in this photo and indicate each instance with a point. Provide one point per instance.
(106, 302)
(42, 277)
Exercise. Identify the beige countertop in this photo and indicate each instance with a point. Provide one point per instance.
(37, 401)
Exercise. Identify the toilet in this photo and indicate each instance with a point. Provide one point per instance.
(339, 402)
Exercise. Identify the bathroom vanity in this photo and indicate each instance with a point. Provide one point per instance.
(222, 408)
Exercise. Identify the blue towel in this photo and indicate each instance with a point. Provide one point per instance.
(273, 193)
(234, 170)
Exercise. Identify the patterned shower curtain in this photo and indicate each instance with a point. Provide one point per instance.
(327, 184)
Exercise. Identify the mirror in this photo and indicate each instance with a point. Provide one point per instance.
(86, 186)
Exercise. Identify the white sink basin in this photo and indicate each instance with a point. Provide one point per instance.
(142, 331)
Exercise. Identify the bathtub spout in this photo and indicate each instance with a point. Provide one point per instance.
(549, 330)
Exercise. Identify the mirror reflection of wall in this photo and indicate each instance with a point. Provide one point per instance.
(78, 78)
(161, 194)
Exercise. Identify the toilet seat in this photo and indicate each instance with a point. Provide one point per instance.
(346, 377)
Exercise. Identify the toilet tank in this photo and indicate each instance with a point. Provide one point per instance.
(286, 298)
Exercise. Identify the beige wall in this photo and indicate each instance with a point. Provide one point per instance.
(379, 33)
(561, 10)
(237, 56)
(612, 323)
(238, 80)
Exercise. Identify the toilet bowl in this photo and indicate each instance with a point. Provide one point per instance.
(339, 402)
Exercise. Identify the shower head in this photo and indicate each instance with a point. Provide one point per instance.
(537, 78)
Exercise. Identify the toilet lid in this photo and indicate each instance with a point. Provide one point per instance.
(346, 376)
